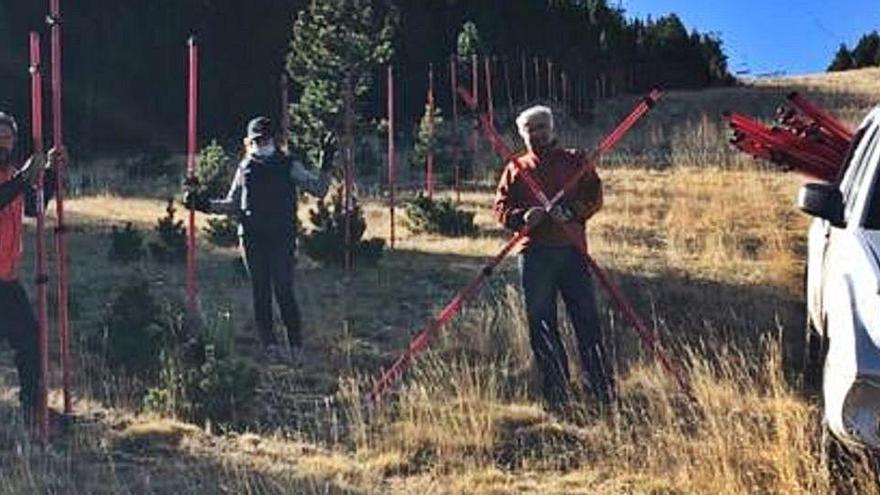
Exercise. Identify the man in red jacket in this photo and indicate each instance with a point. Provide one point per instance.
(550, 262)
(17, 322)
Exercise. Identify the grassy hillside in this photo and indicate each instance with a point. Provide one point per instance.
(707, 245)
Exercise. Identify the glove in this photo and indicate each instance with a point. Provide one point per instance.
(561, 213)
(194, 200)
(327, 153)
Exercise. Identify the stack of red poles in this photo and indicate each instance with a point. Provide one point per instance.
(805, 139)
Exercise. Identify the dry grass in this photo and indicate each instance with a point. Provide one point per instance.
(707, 245)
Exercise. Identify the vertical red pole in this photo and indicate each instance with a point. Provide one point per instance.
(453, 78)
(392, 172)
(537, 77)
(284, 118)
(525, 79)
(191, 153)
(475, 91)
(62, 316)
(42, 406)
(429, 152)
(349, 172)
(490, 104)
(549, 80)
(508, 85)
(564, 80)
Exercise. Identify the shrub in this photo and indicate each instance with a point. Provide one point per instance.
(138, 328)
(126, 244)
(222, 231)
(171, 244)
(219, 386)
(438, 217)
(214, 171)
(326, 242)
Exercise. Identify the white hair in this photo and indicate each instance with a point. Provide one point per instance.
(533, 113)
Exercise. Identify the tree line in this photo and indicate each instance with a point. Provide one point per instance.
(125, 62)
(866, 53)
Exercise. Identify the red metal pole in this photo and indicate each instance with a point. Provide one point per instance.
(349, 171)
(429, 152)
(565, 92)
(525, 79)
(490, 104)
(284, 118)
(537, 78)
(191, 154)
(506, 63)
(453, 78)
(475, 90)
(392, 172)
(550, 80)
(62, 315)
(42, 406)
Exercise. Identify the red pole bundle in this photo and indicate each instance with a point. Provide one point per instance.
(191, 154)
(649, 339)
(782, 147)
(62, 316)
(423, 338)
(453, 77)
(839, 130)
(429, 152)
(42, 406)
(392, 171)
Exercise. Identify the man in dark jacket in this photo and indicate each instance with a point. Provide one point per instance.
(18, 325)
(263, 196)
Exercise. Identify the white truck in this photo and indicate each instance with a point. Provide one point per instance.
(842, 338)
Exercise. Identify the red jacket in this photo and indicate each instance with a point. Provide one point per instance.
(552, 169)
(10, 232)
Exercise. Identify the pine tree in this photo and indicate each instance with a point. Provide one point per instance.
(843, 60)
(469, 43)
(866, 52)
(335, 43)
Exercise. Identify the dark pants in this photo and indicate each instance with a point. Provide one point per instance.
(269, 261)
(547, 271)
(18, 326)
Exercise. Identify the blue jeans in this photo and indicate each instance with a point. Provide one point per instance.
(547, 271)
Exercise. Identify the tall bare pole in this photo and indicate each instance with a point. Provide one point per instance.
(191, 157)
(62, 315)
(453, 86)
(392, 169)
(42, 405)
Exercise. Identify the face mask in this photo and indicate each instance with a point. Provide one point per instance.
(265, 150)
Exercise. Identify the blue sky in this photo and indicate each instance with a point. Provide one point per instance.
(794, 36)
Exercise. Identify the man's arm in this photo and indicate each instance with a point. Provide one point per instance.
(50, 182)
(316, 185)
(508, 211)
(232, 202)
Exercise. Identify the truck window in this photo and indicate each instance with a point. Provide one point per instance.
(859, 164)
